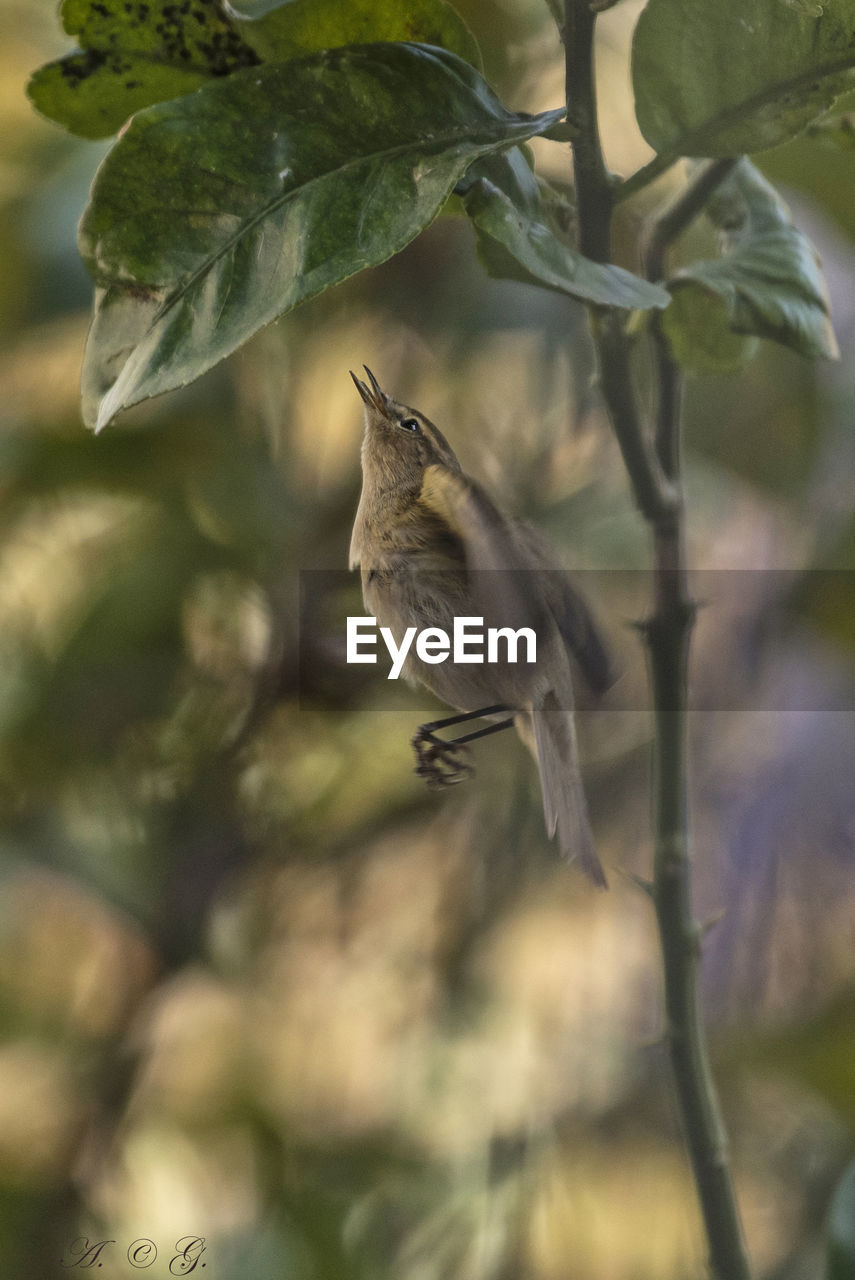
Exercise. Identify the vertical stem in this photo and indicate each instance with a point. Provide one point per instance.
(593, 186)
(655, 477)
(668, 633)
(594, 201)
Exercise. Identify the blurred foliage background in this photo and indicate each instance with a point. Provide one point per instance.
(256, 984)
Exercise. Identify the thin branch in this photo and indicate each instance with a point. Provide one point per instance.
(644, 176)
(593, 184)
(663, 231)
(556, 8)
(668, 633)
(594, 202)
(655, 496)
(655, 477)
(672, 221)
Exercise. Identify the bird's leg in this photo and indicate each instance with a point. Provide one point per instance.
(461, 717)
(439, 762)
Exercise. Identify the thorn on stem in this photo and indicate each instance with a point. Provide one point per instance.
(646, 886)
(706, 926)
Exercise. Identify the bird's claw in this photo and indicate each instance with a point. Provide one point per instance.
(440, 763)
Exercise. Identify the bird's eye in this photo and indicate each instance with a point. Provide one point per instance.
(410, 424)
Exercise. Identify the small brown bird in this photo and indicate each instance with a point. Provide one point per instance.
(432, 546)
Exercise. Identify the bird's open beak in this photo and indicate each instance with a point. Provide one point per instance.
(374, 396)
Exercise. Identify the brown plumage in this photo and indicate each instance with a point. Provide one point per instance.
(431, 545)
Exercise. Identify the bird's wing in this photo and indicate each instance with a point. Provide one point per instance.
(505, 587)
(570, 611)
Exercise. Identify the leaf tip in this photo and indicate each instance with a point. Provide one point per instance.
(107, 411)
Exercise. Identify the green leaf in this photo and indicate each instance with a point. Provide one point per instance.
(217, 212)
(282, 29)
(721, 80)
(840, 1255)
(698, 327)
(768, 284)
(133, 53)
(523, 225)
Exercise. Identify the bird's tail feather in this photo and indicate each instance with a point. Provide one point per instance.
(564, 806)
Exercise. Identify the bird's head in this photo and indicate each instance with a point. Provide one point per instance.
(399, 442)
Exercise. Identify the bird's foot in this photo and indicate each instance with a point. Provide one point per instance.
(440, 763)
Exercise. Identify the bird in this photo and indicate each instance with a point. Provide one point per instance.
(431, 545)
